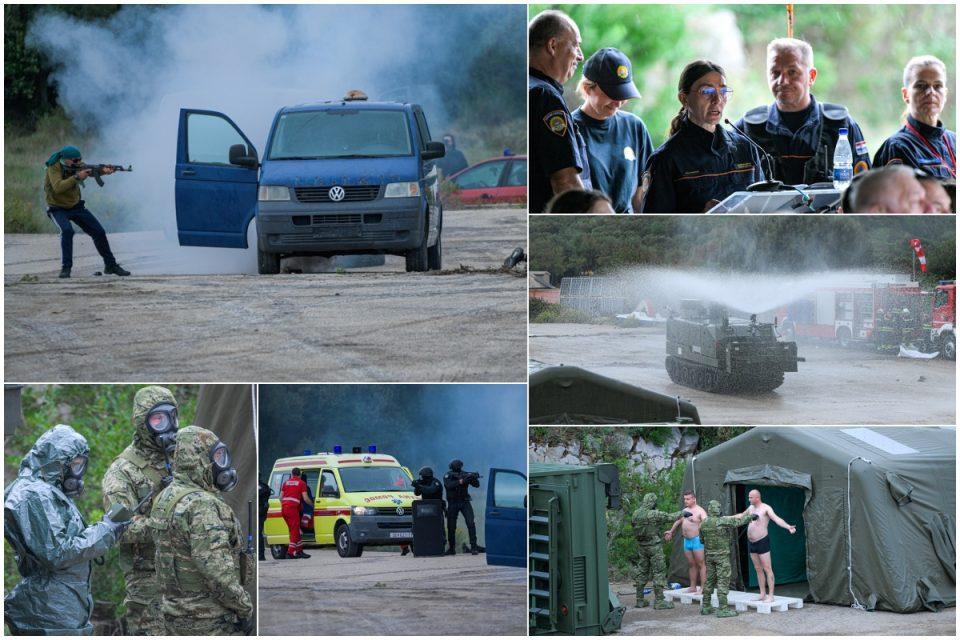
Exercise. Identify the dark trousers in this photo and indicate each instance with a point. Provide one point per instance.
(81, 217)
(260, 547)
(453, 509)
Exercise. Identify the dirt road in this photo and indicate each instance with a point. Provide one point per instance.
(833, 386)
(812, 619)
(382, 593)
(373, 324)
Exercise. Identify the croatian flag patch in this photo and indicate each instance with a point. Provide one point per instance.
(862, 148)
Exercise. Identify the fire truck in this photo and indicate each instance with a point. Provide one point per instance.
(942, 325)
(852, 312)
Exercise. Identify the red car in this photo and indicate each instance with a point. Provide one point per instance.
(500, 180)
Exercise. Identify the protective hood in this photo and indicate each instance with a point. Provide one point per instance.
(649, 501)
(713, 508)
(191, 462)
(51, 453)
(146, 399)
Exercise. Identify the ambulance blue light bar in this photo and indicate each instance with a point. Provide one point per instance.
(307, 452)
(337, 449)
(372, 448)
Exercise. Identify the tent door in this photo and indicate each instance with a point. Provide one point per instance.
(788, 553)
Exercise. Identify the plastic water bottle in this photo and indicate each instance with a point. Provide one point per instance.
(842, 162)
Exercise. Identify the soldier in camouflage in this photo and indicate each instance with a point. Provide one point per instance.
(717, 533)
(647, 522)
(142, 470)
(201, 563)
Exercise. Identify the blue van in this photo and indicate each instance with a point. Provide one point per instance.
(505, 518)
(337, 178)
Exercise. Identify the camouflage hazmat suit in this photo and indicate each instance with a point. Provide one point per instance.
(199, 546)
(137, 472)
(717, 533)
(647, 524)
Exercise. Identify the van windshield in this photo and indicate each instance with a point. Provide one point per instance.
(360, 479)
(341, 133)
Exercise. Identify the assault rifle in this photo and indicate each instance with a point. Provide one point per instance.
(96, 170)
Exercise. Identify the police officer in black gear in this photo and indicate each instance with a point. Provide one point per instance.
(797, 131)
(457, 483)
(427, 485)
(558, 154)
(263, 502)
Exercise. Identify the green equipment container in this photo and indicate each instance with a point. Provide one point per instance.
(569, 590)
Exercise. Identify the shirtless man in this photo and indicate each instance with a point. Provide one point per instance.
(758, 542)
(692, 546)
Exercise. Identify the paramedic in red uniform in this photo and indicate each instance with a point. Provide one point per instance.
(291, 493)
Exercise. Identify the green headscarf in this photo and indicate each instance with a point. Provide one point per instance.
(67, 152)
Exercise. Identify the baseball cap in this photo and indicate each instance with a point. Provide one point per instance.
(611, 69)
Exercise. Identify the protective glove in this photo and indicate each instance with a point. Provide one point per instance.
(246, 626)
(686, 514)
(118, 526)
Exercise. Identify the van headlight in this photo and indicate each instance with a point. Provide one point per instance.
(363, 511)
(267, 194)
(402, 190)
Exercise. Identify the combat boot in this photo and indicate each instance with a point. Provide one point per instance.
(116, 270)
(451, 552)
(641, 602)
(725, 612)
(706, 610)
(64, 273)
(303, 556)
(662, 604)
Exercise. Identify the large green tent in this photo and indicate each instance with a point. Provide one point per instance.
(874, 508)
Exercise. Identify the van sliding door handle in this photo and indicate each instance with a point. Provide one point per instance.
(188, 172)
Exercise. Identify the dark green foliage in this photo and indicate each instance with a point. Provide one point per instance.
(101, 413)
(541, 311)
(764, 244)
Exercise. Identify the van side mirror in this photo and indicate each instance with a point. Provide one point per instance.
(244, 156)
(433, 151)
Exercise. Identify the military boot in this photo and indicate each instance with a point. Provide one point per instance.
(641, 601)
(706, 609)
(64, 273)
(725, 612)
(116, 270)
(662, 603)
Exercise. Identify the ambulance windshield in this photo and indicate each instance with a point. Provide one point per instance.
(361, 479)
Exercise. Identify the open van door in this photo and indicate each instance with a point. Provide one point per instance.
(216, 181)
(505, 521)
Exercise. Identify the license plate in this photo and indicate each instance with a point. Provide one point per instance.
(401, 534)
(352, 231)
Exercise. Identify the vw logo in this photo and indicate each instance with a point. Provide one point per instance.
(336, 194)
(399, 511)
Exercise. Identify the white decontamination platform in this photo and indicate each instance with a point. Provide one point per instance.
(740, 599)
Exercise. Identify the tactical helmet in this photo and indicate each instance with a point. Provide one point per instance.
(456, 465)
(425, 473)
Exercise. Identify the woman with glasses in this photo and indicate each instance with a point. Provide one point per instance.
(923, 142)
(701, 163)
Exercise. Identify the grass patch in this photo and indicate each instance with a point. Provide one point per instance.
(541, 311)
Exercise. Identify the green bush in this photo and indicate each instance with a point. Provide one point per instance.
(101, 413)
(541, 311)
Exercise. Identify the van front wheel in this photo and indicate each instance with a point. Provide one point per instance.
(417, 258)
(268, 263)
(346, 547)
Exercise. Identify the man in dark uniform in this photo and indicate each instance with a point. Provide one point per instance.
(457, 483)
(263, 502)
(558, 155)
(799, 132)
(454, 160)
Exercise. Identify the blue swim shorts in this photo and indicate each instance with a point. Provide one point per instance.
(692, 544)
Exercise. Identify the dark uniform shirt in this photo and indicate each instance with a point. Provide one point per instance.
(695, 166)
(618, 149)
(457, 492)
(805, 156)
(931, 149)
(555, 143)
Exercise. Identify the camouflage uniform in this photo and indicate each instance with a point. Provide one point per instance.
(647, 525)
(200, 561)
(717, 533)
(135, 473)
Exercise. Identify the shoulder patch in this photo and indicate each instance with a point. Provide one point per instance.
(556, 122)
(861, 148)
(757, 115)
(860, 167)
(834, 111)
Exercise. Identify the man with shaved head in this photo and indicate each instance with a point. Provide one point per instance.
(758, 542)
(558, 153)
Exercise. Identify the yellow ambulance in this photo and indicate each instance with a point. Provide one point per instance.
(361, 498)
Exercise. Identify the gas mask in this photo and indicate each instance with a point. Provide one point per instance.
(224, 475)
(73, 475)
(713, 508)
(162, 423)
